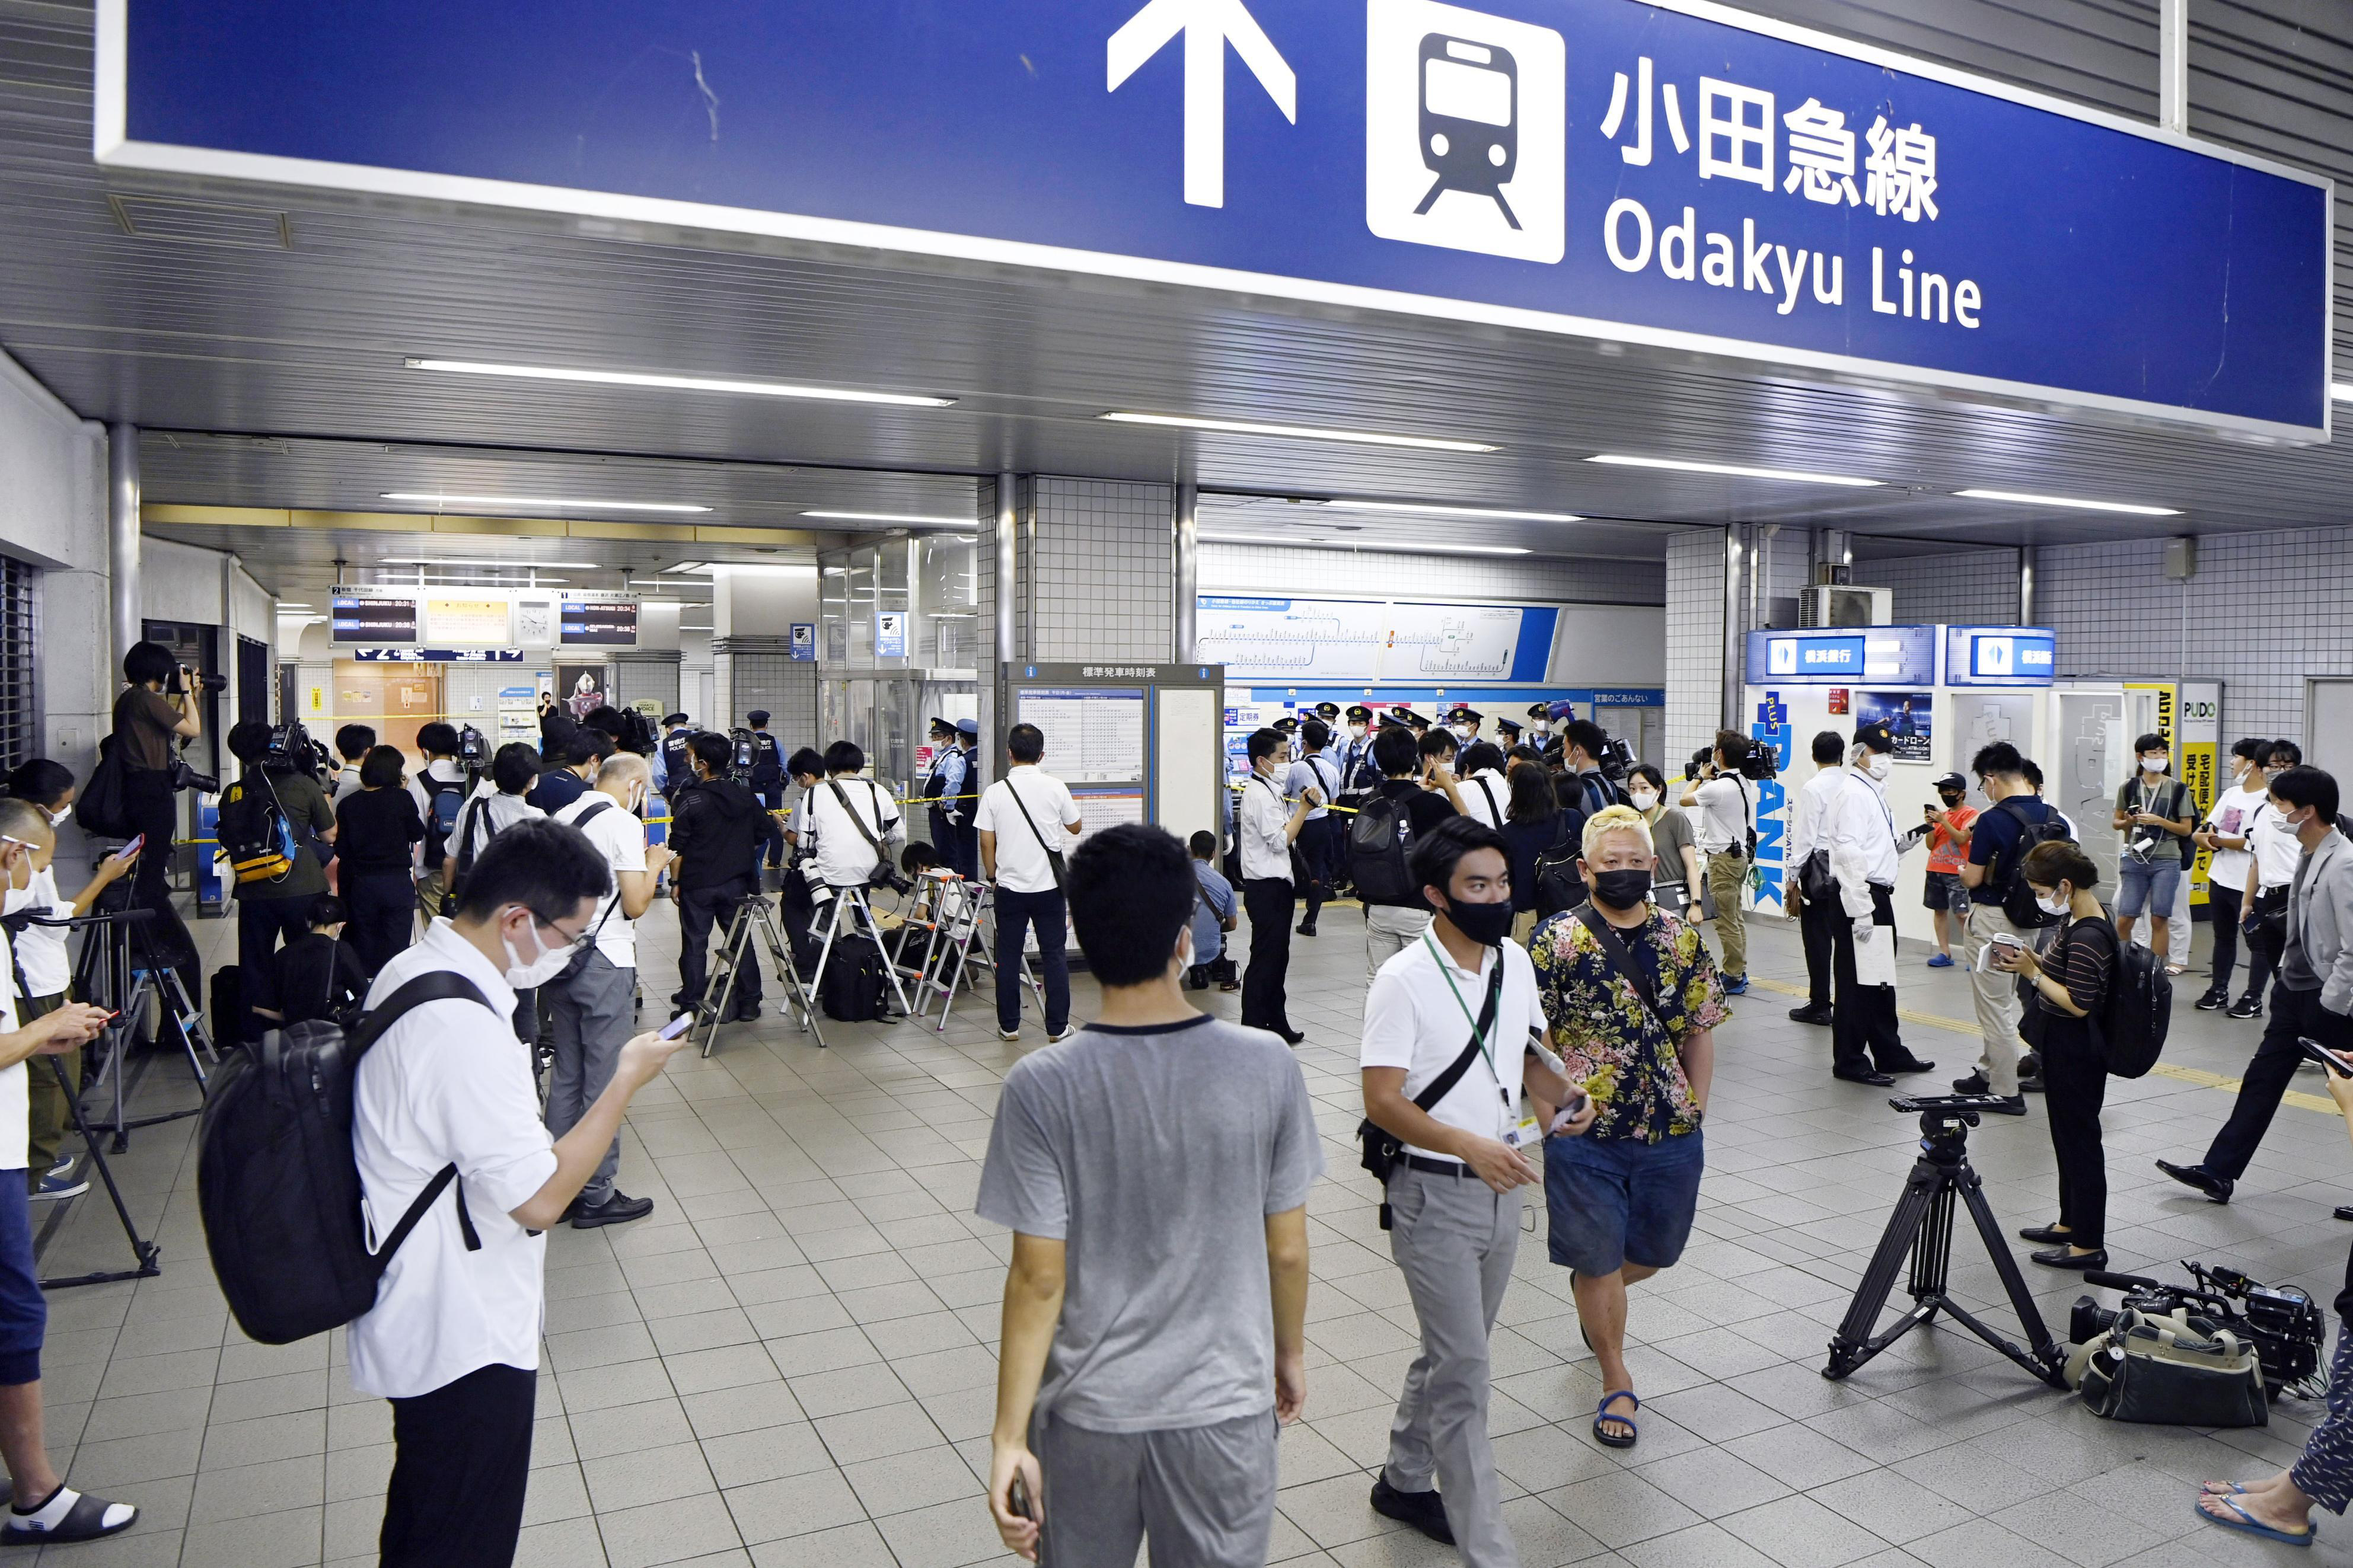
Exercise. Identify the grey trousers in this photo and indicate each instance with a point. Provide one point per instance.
(1995, 992)
(1205, 1495)
(1455, 1240)
(590, 1008)
(1389, 929)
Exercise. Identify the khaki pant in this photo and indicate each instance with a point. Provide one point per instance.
(1389, 929)
(1524, 924)
(49, 1114)
(1995, 992)
(1727, 878)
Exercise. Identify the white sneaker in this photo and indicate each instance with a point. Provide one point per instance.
(1008, 1035)
(1068, 1030)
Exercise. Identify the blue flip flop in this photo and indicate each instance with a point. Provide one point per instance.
(2245, 1523)
(1601, 1413)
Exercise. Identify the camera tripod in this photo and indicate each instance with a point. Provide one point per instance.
(753, 916)
(1922, 1226)
(118, 969)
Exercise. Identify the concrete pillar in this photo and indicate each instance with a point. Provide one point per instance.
(123, 538)
(1728, 713)
(2026, 585)
(1187, 563)
(1006, 539)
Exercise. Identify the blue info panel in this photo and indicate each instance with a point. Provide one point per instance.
(1681, 174)
(1999, 656)
(1889, 656)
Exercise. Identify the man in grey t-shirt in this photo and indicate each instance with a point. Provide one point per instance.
(1154, 1172)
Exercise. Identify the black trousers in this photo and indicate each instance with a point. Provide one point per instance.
(382, 909)
(1321, 842)
(700, 908)
(2293, 1013)
(2262, 958)
(147, 797)
(261, 924)
(1268, 901)
(2225, 904)
(2074, 1082)
(1863, 1017)
(1018, 914)
(1820, 925)
(461, 1458)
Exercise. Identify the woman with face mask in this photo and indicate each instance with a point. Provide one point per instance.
(2068, 984)
(2155, 815)
(1678, 874)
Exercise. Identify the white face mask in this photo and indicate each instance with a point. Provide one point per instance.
(2154, 762)
(57, 818)
(1879, 764)
(1355, 732)
(538, 971)
(2051, 903)
(1465, 732)
(1185, 950)
(1643, 799)
(16, 898)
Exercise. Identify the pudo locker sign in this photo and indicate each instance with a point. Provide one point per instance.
(1677, 173)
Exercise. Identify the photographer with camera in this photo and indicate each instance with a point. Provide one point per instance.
(718, 831)
(1728, 841)
(1026, 821)
(149, 727)
(265, 821)
(2312, 996)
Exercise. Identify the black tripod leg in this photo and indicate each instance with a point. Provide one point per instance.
(147, 1252)
(2044, 1358)
(1854, 1345)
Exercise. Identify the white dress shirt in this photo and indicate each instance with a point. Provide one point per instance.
(1259, 827)
(844, 858)
(1727, 810)
(1806, 817)
(1858, 831)
(1412, 1021)
(1023, 866)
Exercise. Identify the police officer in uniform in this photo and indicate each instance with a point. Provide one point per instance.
(1539, 724)
(1464, 720)
(1358, 777)
(677, 768)
(1288, 728)
(768, 778)
(948, 780)
(1507, 733)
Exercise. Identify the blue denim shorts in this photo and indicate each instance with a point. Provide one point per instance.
(1618, 1201)
(1943, 891)
(24, 1310)
(2146, 886)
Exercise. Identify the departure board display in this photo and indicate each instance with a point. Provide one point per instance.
(372, 620)
(607, 623)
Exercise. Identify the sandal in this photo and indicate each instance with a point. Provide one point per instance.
(87, 1517)
(2247, 1524)
(1601, 1413)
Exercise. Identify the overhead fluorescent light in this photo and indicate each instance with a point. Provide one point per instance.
(552, 503)
(2069, 502)
(283, 606)
(752, 568)
(680, 382)
(664, 582)
(470, 582)
(1420, 509)
(513, 565)
(896, 517)
(1297, 432)
(1299, 544)
(2342, 392)
(1733, 469)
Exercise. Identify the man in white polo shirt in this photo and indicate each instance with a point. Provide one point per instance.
(453, 1338)
(593, 1002)
(1026, 819)
(1463, 992)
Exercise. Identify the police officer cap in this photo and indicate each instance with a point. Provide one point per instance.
(1415, 719)
(1540, 710)
(1394, 719)
(1360, 714)
(1952, 780)
(1327, 709)
(1286, 724)
(942, 726)
(678, 719)
(1876, 737)
(1465, 715)
(1507, 726)
(968, 727)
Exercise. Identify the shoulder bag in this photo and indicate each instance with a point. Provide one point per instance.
(1053, 856)
(1614, 948)
(1383, 1148)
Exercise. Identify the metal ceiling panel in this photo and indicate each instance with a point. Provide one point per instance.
(307, 344)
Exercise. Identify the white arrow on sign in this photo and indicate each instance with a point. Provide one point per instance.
(1208, 26)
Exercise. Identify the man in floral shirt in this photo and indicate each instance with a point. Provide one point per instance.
(1620, 1199)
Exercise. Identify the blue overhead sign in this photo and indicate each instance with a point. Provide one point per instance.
(1676, 173)
(1999, 656)
(1843, 656)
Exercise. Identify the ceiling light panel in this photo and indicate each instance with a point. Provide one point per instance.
(441, 502)
(1294, 543)
(1678, 465)
(681, 382)
(910, 518)
(1420, 509)
(511, 565)
(2070, 502)
(1297, 432)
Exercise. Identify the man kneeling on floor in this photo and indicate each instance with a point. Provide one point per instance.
(42, 1507)
(1154, 1171)
(1450, 1027)
(1634, 1002)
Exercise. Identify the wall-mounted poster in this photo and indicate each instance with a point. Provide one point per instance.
(1905, 714)
(581, 689)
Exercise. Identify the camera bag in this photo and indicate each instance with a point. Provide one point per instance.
(2175, 1370)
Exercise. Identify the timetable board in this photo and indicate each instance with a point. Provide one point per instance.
(1094, 736)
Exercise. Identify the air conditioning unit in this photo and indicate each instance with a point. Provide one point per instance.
(1838, 605)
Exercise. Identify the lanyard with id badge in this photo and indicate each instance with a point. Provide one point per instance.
(1526, 1132)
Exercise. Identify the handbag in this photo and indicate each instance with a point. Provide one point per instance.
(1383, 1148)
(2177, 1370)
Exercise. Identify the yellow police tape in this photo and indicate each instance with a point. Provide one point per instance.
(2197, 1076)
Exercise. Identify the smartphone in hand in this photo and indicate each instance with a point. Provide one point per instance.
(1569, 1112)
(128, 851)
(2335, 1062)
(676, 1026)
(1017, 1498)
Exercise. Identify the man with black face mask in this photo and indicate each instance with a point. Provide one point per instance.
(1453, 1035)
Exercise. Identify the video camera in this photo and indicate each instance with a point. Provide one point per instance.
(1759, 763)
(1617, 759)
(473, 750)
(291, 750)
(743, 750)
(2283, 1323)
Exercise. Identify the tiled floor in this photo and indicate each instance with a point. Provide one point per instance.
(791, 1362)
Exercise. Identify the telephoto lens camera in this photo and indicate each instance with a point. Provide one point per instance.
(177, 681)
(2284, 1322)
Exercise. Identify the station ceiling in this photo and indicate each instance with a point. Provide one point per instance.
(260, 337)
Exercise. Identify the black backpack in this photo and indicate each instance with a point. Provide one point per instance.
(1380, 845)
(103, 805)
(2138, 1011)
(279, 1186)
(2017, 897)
(854, 982)
(253, 831)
